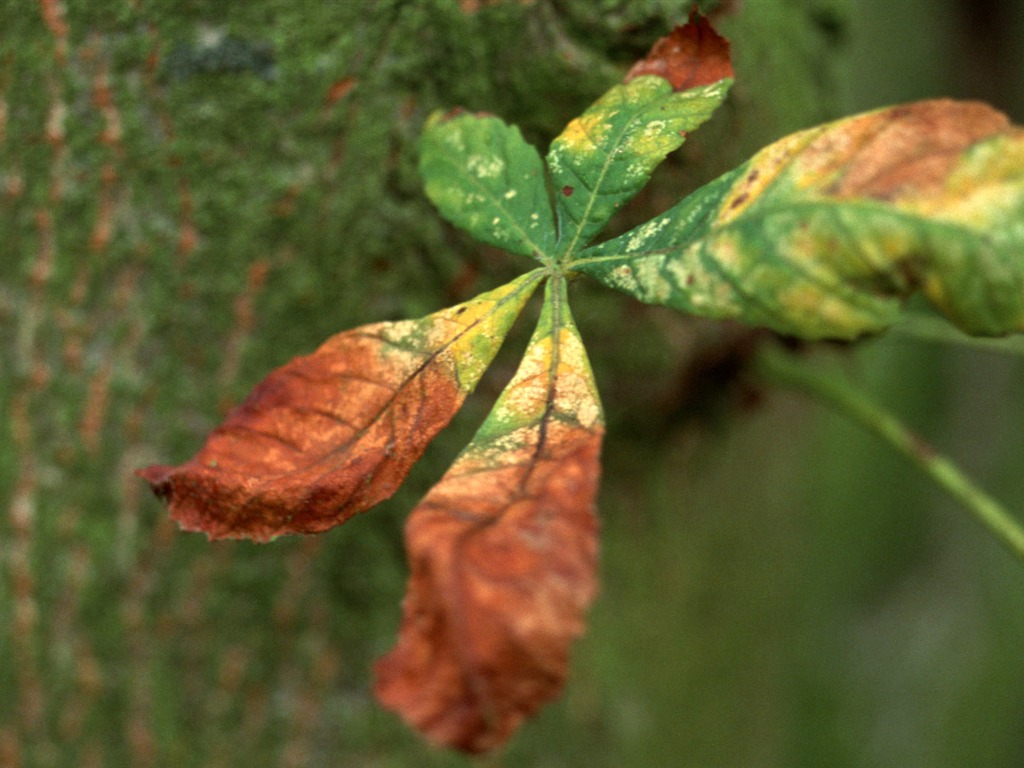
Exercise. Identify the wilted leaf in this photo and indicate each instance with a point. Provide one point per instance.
(503, 554)
(826, 232)
(605, 156)
(335, 432)
(485, 178)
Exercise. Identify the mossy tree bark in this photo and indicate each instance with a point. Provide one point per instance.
(192, 193)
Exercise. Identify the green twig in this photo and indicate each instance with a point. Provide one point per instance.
(836, 392)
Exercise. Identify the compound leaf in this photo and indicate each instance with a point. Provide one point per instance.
(331, 434)
(503, 554)
(605, 156)
(826, 232)
(483, 177)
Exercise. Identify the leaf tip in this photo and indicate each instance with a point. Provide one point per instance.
(157, 475)
(691, 55)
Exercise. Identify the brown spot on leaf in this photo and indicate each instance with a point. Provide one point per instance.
(690, 56)
(907, 148)
(567, 190)
(739, 200)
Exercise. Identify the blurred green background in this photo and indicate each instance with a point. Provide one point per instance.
(192, 192)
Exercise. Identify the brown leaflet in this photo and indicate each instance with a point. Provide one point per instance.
(689, 56)
(503, 552)
(332, 433)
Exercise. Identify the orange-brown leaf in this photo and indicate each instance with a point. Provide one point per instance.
(689, 56)
(503, 552)
(332, 433)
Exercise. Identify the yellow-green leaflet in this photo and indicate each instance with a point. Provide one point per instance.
(607, 154)
(826, 232)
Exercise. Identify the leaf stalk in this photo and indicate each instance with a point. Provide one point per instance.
(834, 391)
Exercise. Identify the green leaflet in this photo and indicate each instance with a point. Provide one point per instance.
(826, 232)
(605, 156)
(484, 178)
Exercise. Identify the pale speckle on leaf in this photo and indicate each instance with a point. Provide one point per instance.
(484, 167)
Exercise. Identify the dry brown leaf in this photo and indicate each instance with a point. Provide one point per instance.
(503, 553)
(332, 433)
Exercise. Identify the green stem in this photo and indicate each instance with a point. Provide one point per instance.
(834, 391)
